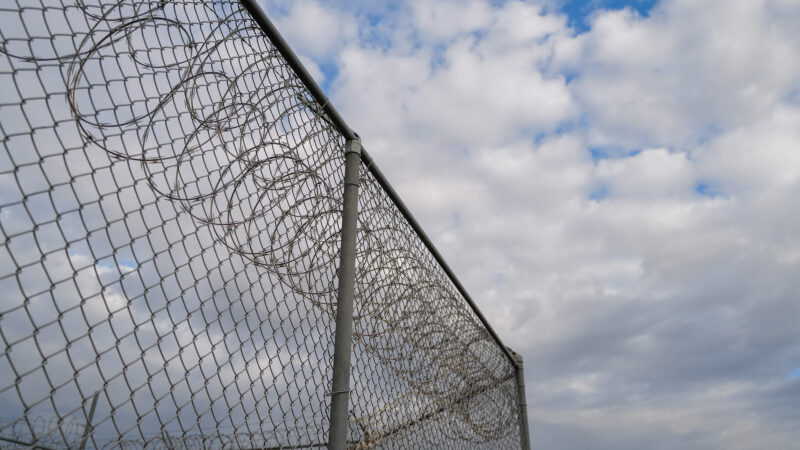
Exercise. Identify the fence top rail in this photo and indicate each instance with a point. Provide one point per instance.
(341, 125)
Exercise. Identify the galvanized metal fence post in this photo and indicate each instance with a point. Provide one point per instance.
(524, 434)
(88, 429)
(340, 389)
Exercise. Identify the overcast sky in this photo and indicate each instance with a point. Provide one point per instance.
(615, 182)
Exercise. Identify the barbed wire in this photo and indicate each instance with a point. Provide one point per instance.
(49, 431)
(171, 214)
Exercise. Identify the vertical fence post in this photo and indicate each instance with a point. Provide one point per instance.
(340, 389)
(88, 429)
(524, 435)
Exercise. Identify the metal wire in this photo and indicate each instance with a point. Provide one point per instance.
(170, 210)
(426, 370)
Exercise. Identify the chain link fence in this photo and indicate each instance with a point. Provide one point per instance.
(171, 213)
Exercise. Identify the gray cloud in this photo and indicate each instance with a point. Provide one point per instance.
(652, 289)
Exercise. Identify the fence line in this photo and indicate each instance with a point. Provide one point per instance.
(341, 125)
(172, 188)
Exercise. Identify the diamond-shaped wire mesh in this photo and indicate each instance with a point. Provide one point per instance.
(170, 210)
(427, 373)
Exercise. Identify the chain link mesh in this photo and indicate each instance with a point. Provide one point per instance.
(427, 373)
(170, 214)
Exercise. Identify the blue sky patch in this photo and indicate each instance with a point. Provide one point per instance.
(599, 194)
(795, 374)
(579, 11)
(706, 189)
(600, 153)
(330, 71)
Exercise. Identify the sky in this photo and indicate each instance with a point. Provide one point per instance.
(616, 184)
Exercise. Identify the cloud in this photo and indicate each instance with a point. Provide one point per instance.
(482, 86)
(650, 173)
(442, 21)
(758, 157)
(684, 73)
(616, 198)
(315, 30)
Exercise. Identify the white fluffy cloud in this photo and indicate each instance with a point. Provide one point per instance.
(692, 69)
(458, 86)
(316, 31)
(620, 201)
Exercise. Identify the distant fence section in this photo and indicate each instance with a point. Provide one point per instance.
(171, 236)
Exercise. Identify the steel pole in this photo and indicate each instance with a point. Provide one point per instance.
(88, 429)
(340, 389)
(524, 434)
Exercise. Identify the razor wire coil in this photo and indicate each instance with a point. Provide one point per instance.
(170, 219)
